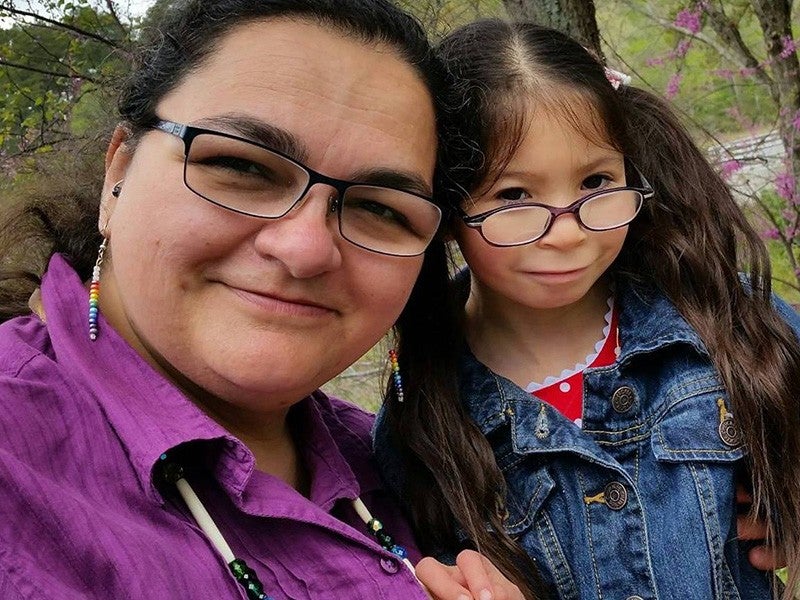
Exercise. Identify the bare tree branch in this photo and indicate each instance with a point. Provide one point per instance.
(76, 30)
(728, 32)
(112, 10)
(13, 65)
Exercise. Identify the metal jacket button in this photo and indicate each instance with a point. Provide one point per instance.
(729, 431)
(616, 496)
(623, 399)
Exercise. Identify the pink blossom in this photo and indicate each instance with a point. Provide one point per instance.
(729, 167)
(789, 46)
(689, 20)
(770, 234)
(673, 86)
(655, 62)
(785, 186)
(796, 121)
(681, 49)
(724, 74)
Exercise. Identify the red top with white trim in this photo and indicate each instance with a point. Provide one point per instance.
(565, 393)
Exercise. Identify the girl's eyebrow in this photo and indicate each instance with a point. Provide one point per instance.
(603, 161)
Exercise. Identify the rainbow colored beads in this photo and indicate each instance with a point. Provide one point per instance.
(94, 293)
(398, 382)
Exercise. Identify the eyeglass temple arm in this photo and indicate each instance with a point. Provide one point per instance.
(176, 129)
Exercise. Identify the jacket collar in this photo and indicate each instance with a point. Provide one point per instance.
(648, 322)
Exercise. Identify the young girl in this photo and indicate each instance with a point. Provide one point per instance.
(619, 376)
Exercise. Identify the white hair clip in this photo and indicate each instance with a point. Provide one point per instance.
(617, 78)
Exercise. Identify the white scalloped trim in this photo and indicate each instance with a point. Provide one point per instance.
(566, 373)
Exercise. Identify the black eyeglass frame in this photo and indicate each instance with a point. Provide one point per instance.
(188, 133)
(645, 190)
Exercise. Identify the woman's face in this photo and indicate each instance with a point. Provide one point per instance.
(261, 312)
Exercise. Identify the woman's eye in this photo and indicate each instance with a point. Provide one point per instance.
(513, 195)
(239, 165)
(595, 182)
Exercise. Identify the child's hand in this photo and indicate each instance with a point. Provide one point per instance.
(473, 578)
(761, 557)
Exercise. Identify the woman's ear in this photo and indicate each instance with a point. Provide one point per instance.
(118, 157)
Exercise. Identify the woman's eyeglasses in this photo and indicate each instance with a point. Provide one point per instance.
(252, 179)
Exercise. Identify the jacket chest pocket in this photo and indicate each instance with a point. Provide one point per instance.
(699, 428)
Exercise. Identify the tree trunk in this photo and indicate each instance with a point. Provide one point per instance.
(775, 19)
(574, 17)
(774, 16)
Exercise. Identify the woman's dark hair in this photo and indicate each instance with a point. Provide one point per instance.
(689, 241)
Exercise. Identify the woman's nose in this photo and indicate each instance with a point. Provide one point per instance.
(306, 240)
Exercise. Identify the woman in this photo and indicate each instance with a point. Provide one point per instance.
(265, 215)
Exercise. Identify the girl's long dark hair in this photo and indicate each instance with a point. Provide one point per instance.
(690, 241)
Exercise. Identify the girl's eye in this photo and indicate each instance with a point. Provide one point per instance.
(513, 195)
(595, 182)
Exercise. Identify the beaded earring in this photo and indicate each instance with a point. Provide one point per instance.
(94, 292)
(398, 381)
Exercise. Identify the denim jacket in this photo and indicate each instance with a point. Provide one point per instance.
(639, 504)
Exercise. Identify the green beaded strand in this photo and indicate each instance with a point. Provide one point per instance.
(248, 580)
(386, 541)
(171, 472)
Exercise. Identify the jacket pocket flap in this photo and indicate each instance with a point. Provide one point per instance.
(698, 428)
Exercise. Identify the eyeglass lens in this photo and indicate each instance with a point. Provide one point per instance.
(250, 179)
(524, 224)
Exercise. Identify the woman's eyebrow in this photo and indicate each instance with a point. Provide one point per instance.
(283, 141)
(402, 180)
(257, 131)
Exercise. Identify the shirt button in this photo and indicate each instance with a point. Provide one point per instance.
(616, 495)
(623, 399)
(390, 565)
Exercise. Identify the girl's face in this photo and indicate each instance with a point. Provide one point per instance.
(260, 312)
(554, 165)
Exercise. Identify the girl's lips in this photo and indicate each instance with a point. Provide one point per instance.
(557, 276)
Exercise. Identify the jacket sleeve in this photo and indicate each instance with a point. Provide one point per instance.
(788, 314)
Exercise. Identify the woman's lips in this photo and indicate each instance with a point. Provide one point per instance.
(298, 307)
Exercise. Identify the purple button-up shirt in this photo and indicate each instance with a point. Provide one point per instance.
(82, 425)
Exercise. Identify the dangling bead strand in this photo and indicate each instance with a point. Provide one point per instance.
(398, 381)
(247, 578)
(375, 528)
(94, 293)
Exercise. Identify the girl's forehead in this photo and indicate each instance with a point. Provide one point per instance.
(573, 114)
